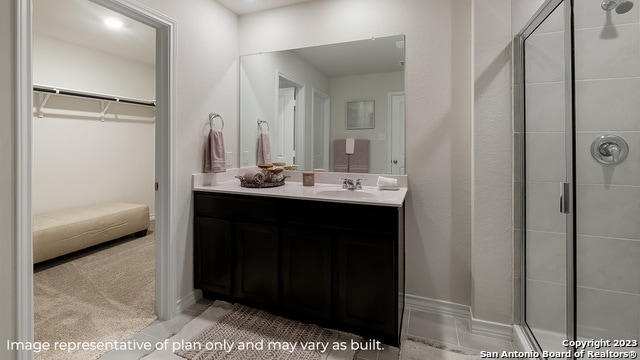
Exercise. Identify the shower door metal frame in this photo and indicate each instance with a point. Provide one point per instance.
(519, 96)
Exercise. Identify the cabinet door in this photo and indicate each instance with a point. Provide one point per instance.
(257, 263)
(306, 272)
(367, 283)
(213, 255)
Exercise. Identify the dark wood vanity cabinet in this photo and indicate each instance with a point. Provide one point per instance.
(306, 269)
(365, 265)
(213, 276)
(335, 264)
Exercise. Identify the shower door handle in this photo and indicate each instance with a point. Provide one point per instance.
(564, 197)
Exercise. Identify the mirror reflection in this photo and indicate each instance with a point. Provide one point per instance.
(337, 107)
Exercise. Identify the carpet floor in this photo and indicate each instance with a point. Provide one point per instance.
(102, 294)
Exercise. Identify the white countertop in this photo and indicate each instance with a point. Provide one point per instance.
(327, 188)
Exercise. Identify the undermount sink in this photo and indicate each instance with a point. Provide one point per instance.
(345, 194)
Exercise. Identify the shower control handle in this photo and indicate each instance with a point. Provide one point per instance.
(609, 149)
(612, 150)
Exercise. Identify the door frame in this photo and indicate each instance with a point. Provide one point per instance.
(166, 280)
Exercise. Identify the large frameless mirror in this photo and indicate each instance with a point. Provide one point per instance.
(302, 102)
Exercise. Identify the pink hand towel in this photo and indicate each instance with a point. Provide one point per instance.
(264, 149)
(340, 157)
(359, 161)
(214, 155)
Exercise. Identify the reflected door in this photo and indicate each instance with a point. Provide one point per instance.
(286, 125)
(321, 121)
(396, 110)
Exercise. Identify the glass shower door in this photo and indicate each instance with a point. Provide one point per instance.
(546, 229)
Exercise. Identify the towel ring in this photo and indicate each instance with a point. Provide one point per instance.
(213, 116)
(260, 122)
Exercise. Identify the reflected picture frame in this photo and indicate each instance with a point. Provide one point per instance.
(360, 115)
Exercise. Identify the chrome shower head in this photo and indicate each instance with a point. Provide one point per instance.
(621, 6)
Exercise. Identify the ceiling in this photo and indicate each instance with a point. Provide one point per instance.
(243, 7)
(81, 22)
(377, 55)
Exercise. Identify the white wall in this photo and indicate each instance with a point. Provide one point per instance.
(374, 87)
(63, 64)
(8, 206)
(438, 113)
(492, 236)
(77, 158)
(206, 81)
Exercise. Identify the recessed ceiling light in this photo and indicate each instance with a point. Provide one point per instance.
(113, 23)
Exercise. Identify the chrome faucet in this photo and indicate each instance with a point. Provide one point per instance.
(351, 184)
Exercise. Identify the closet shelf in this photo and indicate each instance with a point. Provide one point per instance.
(89, 95)
(106, 100)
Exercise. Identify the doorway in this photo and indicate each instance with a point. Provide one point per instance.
(166, 306)
(289, 126)
(82, 144)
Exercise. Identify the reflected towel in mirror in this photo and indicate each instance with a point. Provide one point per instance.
(359, 161)
(340, 157)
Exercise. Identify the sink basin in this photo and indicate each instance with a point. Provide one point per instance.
(345, 194)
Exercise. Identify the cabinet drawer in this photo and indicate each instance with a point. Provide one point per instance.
(361, 218)
(234, 207)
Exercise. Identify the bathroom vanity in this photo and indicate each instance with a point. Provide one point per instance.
(339, 264)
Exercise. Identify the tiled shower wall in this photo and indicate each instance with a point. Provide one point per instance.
(607, 97)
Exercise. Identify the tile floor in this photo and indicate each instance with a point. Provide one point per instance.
(447, 330)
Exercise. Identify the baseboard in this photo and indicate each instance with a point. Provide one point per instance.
(520, 340)
(441, 307)
(187, 301)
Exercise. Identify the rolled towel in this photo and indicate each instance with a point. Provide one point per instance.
(254, 176)
(385, 183)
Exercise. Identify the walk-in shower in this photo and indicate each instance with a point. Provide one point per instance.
(578, 140)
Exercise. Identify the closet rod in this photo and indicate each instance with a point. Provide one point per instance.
(51, 90)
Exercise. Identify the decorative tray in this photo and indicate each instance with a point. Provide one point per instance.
(266, 184)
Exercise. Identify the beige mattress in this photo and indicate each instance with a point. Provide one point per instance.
(62, 232)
